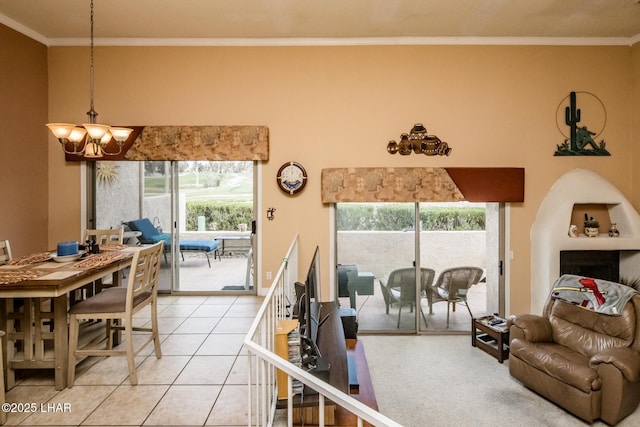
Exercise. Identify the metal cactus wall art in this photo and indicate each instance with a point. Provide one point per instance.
(581, 140)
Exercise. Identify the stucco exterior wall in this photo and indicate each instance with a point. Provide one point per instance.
(380, 252)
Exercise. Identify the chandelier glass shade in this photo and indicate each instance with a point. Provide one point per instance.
(90, 139)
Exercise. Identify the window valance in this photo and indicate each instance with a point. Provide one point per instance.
(378, 184)
(194, 143)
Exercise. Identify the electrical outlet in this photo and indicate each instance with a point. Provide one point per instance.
(268, 275)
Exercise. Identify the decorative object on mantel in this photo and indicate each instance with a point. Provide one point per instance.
(573, 231)
(613, 230)
(591, 226)
(580, 141)
(91, 140)
(420, 142)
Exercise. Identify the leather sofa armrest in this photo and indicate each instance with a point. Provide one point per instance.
(625, 359)
(530, 327)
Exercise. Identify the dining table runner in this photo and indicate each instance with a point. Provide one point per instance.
(31, 259)
(8, 277)
(100, 260)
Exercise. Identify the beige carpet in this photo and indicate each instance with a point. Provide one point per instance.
(444, 381)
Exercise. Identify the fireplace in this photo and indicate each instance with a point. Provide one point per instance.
(550, 238)
(597, 264)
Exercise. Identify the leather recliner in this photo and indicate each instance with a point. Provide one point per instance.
(586, 362)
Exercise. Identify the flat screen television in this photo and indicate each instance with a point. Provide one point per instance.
(302, 308)
(313, 276)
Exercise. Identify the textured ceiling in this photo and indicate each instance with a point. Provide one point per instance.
(192, 21)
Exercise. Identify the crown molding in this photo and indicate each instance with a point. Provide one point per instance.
(324, 41)
(15, 25)
(357, 41)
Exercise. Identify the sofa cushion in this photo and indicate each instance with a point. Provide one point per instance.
(589, 333)
(558, 362)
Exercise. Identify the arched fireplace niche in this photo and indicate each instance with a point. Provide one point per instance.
(550, 237)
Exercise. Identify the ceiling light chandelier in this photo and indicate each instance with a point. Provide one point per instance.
(91, 139)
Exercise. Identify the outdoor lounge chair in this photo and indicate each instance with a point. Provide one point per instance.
(151, 235)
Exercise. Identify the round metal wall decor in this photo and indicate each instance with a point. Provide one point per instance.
(291, 177)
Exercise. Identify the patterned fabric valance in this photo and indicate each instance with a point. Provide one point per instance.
(201, 143)
(192, 143)
(422, 185)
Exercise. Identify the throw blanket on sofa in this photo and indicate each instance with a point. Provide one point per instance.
(598, 295)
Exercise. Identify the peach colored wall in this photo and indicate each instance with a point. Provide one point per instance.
(23, 154)
(339, 106)
(635, 117)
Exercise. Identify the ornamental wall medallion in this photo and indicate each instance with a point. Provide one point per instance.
(580, 139)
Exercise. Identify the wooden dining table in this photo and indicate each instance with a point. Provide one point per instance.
(34, 293)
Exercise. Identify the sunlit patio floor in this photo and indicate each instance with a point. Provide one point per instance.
(372, 313)
(227, 273)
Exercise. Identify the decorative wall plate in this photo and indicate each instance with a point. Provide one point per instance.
(291, 177)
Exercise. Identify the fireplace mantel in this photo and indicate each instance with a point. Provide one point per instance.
(549, 232)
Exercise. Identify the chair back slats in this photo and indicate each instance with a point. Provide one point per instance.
(5, 252)
(144, 275)
(141, 291)
(104, 236)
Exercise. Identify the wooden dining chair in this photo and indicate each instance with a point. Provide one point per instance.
(117, 306)
(101, 237)
(104, 236)
(5, 252)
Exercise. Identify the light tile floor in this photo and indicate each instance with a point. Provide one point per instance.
(201, 379)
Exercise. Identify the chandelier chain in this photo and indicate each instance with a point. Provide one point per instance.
(92, 112)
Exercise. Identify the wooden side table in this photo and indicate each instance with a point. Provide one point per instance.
(490, 336)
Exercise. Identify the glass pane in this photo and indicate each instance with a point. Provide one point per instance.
(455, 247)
(215, 204)
(375, 264)
(212, 209)
(128, 191)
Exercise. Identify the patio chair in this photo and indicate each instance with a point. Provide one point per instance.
(120, 304)
(401, 288)
(151, 235)
(452, 286)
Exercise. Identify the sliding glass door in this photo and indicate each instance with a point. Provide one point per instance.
(457, 247)
(215, 203)
(203, 210)
(375, 264)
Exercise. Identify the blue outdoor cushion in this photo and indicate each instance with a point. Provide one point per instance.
(151, 235)
(199, 245)
(144, 226)
(161, 238)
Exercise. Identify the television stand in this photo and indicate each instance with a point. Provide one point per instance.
(348, 372)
